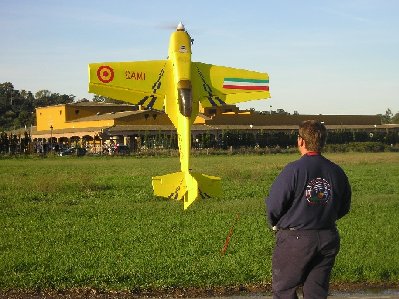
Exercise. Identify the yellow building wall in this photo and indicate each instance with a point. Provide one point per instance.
(199, 120)
(218, 109)
(74, 112)
(67, 116)
(90, 124)
(50, 116)
(145, 118)
(56, 116)
(62, 116)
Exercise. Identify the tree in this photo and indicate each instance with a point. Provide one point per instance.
(387, 117)
(45, 98)
(17, 108)
(395, 118)
(6, 95)
(7, 114)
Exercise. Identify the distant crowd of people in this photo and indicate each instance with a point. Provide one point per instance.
(23, 144)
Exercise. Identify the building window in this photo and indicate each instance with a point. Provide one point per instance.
(76, 111)
(60, 112)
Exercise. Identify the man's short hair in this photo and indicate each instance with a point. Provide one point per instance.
(314, 133)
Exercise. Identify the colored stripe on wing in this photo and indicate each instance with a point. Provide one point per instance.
(245, 84)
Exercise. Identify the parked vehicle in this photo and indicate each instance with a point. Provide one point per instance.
(77, 151)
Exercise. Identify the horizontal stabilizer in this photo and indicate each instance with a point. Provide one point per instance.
(208, 185)
(186, 186)
(172, 185)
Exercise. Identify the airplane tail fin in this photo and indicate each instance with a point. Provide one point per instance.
(186, 186)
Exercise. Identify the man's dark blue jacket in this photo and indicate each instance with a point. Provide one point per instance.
(310, 193)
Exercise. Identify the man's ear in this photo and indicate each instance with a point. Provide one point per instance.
(301, 142)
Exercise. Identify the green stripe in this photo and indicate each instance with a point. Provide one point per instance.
(246, 80)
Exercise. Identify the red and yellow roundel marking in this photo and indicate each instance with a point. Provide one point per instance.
(105, 74)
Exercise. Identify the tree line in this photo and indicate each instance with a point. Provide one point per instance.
(17, 107)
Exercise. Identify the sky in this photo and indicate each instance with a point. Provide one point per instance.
(322, 57)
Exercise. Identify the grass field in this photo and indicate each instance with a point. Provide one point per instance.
(69, 222)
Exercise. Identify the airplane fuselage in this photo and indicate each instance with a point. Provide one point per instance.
(181, 111)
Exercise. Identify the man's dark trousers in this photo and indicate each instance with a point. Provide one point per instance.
(304, 257)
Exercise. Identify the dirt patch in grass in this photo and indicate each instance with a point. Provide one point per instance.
(261, 290)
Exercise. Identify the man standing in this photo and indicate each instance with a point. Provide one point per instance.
(305, 201)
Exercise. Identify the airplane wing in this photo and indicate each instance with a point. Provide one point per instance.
(219, 85)
(142, 82)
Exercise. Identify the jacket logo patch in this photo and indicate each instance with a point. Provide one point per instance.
(318, 191)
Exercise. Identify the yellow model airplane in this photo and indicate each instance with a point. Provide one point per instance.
(178, 85)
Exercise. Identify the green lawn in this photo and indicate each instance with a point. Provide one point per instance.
(68, 222)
